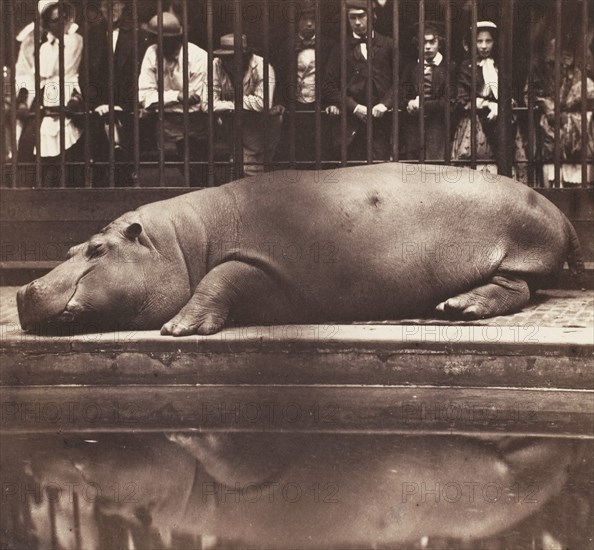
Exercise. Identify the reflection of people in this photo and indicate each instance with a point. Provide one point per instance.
(124, 74)
(356, 92)
(53, 23)
(487, 94)
(255, 139)
(173, 96)
(570, 134)
(301, 87)
(436, 97)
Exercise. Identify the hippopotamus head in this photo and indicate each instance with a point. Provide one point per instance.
(104, 283)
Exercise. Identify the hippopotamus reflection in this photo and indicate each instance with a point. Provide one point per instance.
(304, 491)
(367, 243)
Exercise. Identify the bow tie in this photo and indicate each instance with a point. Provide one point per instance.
(304, 44)
(360, 40)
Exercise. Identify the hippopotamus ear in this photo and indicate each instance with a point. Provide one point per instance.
(133, 231)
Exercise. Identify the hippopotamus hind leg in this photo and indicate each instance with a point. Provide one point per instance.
(223, 287)
(502, 295)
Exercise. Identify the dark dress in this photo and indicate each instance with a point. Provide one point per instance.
(356, 93)
(435, 105)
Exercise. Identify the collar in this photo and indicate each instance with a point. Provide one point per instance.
(356, 37)
(306, 39)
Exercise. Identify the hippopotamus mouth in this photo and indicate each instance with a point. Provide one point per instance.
(43, 310)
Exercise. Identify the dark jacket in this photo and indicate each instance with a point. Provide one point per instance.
(464, 84)
(124, 69)
(282, 65)
(357, 74)
(435, 106)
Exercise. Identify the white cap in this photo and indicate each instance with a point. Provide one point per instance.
(42, 5)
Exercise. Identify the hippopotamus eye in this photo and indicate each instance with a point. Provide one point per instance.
(94, 250)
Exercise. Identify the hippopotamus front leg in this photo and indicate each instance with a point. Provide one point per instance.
(503, 294)
(227, 285)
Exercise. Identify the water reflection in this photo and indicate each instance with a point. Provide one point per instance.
(294, 491)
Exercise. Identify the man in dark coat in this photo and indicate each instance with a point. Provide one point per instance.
(97, 87)
(436, 97)
(300, 87)
(356, 92)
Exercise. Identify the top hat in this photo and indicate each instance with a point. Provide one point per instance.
(171, 25)
(359, 5)
(228, 45)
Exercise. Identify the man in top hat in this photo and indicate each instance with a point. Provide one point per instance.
(256, 141)
(121, 43)
(173, 82)
(356, 93)
(436, 95)
(300, 87)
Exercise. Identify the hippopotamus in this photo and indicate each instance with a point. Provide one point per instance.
(320, 490)
(364, 243)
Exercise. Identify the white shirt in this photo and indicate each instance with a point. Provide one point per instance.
(116, 35)
(253, 87)
(173, 79)
(363, 45)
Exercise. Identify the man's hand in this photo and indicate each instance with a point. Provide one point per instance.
(361, 112)
(193, 98)
(413, 106)
(493, 110)
(277, 110)
(378, 110)
(332, 110)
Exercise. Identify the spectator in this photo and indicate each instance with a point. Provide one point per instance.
(570, 134)
(356, 92)
(487, 94)
(301, 88)
(173, 96)
(436, 96)
(24, 71)
(124, 74)
(256, 142)
(57, 26)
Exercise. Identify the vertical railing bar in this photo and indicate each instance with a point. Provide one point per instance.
(186, 94)
(531, 127)
(3, 87)
(161, 92)
(395, 79)
(135, 109)
(238, 69)
(504, 163)
(62, 87)
(13, 105)
(291, 92)
(87, 141)
(421, 80)
(210, 99)
(448, 64)
(38, 100)
(584, 113)
(51, 494)
(318, 85)
(557, 151)
(473, 62)
(266, 56)
(110, 94)
(343, 84)
(76, 518)
(369, 90)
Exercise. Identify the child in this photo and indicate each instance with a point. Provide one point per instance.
(486, 98)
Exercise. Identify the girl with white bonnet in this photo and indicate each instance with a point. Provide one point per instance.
(54, 24)
(486, 98)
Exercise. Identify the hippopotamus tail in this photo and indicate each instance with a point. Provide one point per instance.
(575, 259)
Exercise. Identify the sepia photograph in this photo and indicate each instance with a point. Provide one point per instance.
(297, 274)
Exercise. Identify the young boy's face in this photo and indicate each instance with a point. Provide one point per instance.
(117, 10)
(431, 46)
(358, 21)
(306, 26)
(484, 44)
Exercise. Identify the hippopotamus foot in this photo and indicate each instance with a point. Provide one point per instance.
(227, 285)
(502, 295)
